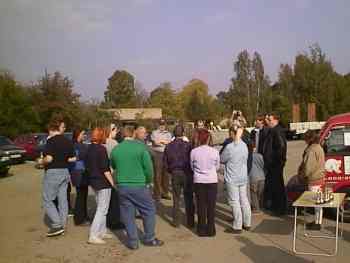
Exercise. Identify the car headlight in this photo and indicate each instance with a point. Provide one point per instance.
(5, 158)
(6, 152)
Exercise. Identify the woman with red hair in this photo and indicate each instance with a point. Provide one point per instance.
(101, 181)
(205, 161)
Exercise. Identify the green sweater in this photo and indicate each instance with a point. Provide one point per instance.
(132, 164)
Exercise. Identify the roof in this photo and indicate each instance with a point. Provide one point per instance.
(335, 120)
(127, 114)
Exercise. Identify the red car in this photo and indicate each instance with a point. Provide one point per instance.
(335, 140)
(32, 143)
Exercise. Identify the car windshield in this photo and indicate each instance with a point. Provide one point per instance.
(338, 140)
(5, 141)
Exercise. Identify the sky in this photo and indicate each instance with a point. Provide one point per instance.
(165, 40)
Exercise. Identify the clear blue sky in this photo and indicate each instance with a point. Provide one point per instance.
(165, 40)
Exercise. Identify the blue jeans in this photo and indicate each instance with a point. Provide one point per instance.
(237, 197)
(140, 198)
(98, 227)
(55, 184)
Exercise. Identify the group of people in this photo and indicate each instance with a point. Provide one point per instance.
(131, 177)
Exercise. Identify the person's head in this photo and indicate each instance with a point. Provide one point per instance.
(140, 133)
(203, 137)
(236, 131)
(200, 124)
(273, 119)
(129, 131)
(162, 125)
(179, 131)
(78, 135)
(54, 126)
(98, 136)
(259, 121)
(62, 127)
(311, 137)
(111, 131)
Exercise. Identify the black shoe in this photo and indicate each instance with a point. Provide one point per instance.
(246, 228)
(313, 226)
(56, 231)
(154, 243)
(166, 197)
(233, 231)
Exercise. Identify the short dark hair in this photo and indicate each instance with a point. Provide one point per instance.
(275, 115)
(312, 137)
(179, 131)
(129, 130)
(54, 125)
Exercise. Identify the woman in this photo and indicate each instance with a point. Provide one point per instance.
(311, 171)
(111, 133)
(79, 178)
(100, 179)
(235, 157)
(205, 161)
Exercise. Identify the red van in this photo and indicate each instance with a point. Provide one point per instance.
(335, 140)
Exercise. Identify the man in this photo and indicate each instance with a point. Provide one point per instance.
(140, 134)
(263, 134)
(133, 164)
(59, 151)
(256, 133)
(160, 138)
(274, 153)
(177, 163)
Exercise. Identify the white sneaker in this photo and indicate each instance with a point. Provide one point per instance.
(107, 236)
(96, 241)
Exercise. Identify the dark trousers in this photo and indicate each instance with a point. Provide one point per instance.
(275, 192)
(113, 216)
(140, 198)
(206, 202)
(80, 208)
(69, 190)
(182, 181)
(161, 177)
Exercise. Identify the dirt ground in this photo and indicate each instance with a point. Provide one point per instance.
(22, 232)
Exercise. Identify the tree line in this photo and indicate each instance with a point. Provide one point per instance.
(311, 79)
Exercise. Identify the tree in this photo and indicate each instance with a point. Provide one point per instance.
(165, 97)
(16, 108)
(53, 94)
(121, 91)
(195, 94)
(197, 108)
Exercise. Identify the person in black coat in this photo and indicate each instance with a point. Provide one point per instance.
(275, 153)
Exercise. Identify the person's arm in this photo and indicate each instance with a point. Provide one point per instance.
(225, 155)
(147, 166)
(165, 159)
(192, 157)
(217, 161)
(104, 166)
(279, 146)
(310, 164)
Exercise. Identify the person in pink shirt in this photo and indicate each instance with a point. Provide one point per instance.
(205, 161)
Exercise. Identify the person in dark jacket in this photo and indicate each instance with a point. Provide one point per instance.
(79, 178)
(101, 181)
(274, 153)
(176, 160)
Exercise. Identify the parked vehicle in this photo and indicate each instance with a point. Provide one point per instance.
(17, 154)
(297, 129)
(335, 140)
(32, 143)
(4, 163)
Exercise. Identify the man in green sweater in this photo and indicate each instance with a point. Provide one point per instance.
(133, 168)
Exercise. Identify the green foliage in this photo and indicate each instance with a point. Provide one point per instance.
(16, 108)
(121, 91)
(165, 97)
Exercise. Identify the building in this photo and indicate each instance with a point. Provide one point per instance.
(133, 114)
